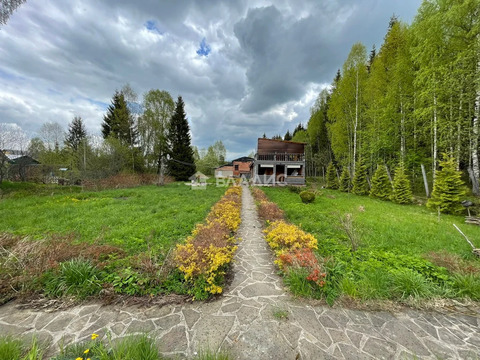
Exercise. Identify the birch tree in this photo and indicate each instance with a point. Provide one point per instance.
(347, 106)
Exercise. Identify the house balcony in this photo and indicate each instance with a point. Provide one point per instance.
(281, 157)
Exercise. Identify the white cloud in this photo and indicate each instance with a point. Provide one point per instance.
(268, 60)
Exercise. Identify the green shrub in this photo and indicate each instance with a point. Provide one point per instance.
(448, 188)
(78, 277)
(375, 284)
(211, 355)
(345, 180)
(10, 348)
(381, 186)
(295, 189)
(332, 179)
(130, 347)
(407, 282)
(296, 280)
(136, 347)
(360, 183)
(467, 286)
(402, 192)
(307, 197)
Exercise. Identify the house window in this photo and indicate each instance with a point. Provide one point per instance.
(236, 167)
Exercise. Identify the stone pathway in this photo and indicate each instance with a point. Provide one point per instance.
(257, 319)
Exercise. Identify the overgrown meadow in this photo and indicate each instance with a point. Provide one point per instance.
(372, 249)
(67, 242)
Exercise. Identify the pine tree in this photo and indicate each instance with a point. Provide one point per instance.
(360, 183)
(448, 188)
(76, 133)
(381, 186)
(182, 164)
(288, 136)
(118, 121)
(345, 180)
(402, 192)
(332, 180)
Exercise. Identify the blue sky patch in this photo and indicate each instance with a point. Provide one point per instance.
(204, 49)
(151, 26)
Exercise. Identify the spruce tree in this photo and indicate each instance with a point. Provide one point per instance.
(76, 133)
(288, 136)
(332, 180)
(118, 121)
(360, 183)
(448, 188)
(345, 180)
(402, 192)
(381, 186)
(182, 163)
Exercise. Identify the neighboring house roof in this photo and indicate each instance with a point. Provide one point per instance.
(225, 168)
(21, 159)
(198, 175)
(244, 159)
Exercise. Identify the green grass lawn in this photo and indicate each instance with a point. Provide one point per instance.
(135, 219)
(394, 241)
(410, 229)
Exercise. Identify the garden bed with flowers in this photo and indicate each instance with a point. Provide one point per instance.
(205, 256)
(303, 270)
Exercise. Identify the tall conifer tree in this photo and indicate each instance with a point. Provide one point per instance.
(118, 121)
(182, 164)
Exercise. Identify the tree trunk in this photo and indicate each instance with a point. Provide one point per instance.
(474, 149)
(459, 130)
(402, 132)
(434, 149)
(355, 127)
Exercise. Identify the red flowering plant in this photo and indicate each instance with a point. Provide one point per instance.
(303, 258)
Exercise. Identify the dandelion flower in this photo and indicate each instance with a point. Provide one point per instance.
(86, 351)
(94, 336)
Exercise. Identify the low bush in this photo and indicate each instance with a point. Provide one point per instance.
(307, 197)
(77, 277)
(205, 255)
(295, 189)
(16, 349)
(123, 180)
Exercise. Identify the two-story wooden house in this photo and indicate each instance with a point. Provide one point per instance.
(279, 162)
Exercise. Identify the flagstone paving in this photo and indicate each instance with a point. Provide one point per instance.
(257, 319)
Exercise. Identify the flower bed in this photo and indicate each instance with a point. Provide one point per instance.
(206, 254)
(303, 271)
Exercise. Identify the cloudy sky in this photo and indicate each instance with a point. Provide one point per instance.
(243, 67)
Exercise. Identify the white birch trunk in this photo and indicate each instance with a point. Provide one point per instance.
(402, 132)
(474, 148)
(355, 127)
(459, 130)
(434, 150)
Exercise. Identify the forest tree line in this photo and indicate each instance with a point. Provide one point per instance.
(414, 99)
(149, 136)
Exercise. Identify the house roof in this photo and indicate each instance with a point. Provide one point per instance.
(243, 159)
(21, 159)
(225, 167)
(269, 146)
(198, 175)
(283, 141)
